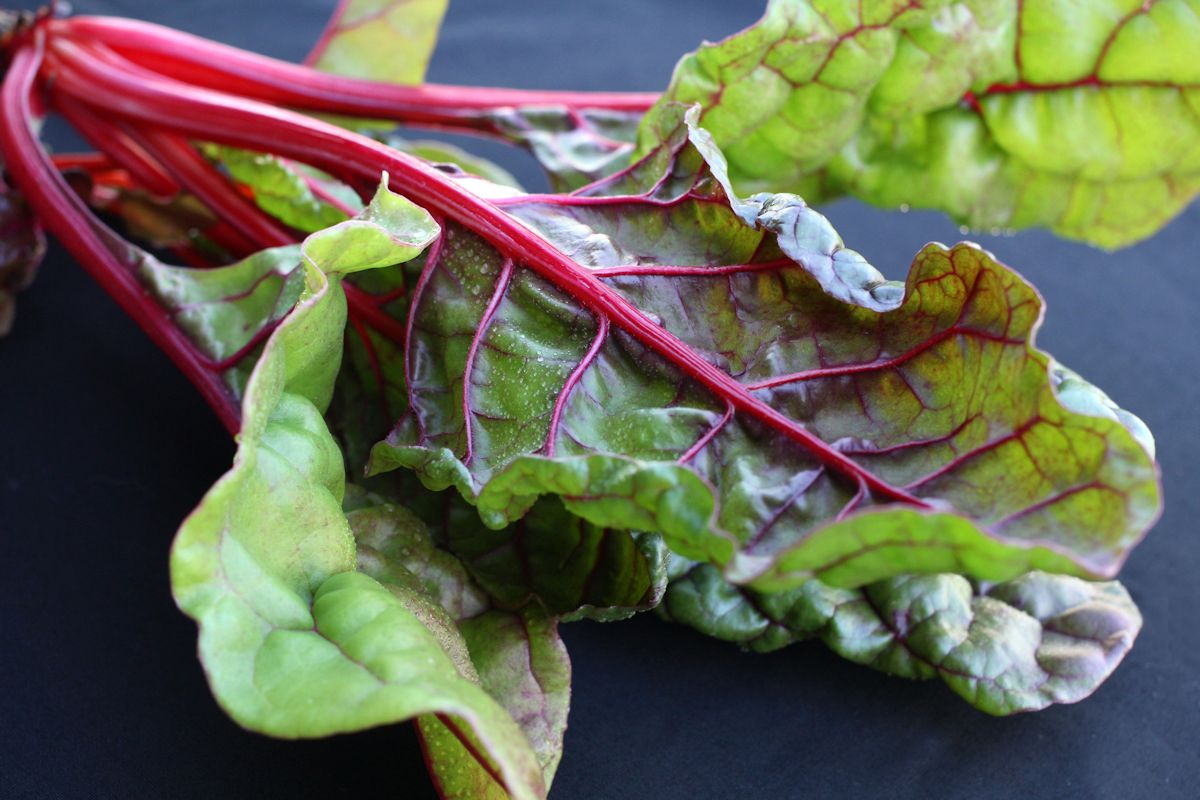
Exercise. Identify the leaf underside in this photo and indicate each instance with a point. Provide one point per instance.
(382, 40)
(1014, 647)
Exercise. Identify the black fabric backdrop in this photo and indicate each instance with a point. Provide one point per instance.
(104, 448)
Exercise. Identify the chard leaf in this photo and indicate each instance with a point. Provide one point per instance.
(382, 40)
(782, 419)
(294, 641)
(284, 191)
(564, 564)
(574, 147)
(22, 247)
(442, 154)
(1077, 117)
(516, 656)
(523, 664)
(1016, 646)
(229, 311)
(567, 565)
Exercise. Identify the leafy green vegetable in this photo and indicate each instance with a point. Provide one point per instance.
(848, 443)
(516, 656)
(295, 642)
(384, 40)
(228, 311)
(1012, 647)
(561, 562)
(284, 191)
(1077, 117)
(574, 147)
(654, 360)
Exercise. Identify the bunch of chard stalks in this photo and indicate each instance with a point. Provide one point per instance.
(145, 96)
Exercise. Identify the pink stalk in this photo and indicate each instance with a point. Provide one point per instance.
(212, 65)
(65, 215)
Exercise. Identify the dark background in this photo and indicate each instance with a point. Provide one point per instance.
(104, 448)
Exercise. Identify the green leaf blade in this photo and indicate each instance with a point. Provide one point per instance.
(1002, 114)
(932, 386)
(294, 641)
(382, 40)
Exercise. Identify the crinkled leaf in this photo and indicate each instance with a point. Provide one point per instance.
(22, 247)
(1015, 646)
(516, 656)
(565, 564)
(711, 391)
(1084, 118)
(283, 190)
(227, 311)
(574, 147)
(383, 40)
(294, 641)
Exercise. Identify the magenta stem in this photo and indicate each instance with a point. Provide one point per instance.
(212, 65)
(61, 211)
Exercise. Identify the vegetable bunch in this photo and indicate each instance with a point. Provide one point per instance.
(466, 412)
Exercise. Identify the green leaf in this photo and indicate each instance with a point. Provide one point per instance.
(1016, 646)
(523, 665)
(297, 199)
(227, 311)
(516, 656)
(566, 565)
(1077, 117)
(796, 416)
(574, 147)
(442, 153)
(294, 641)
(382, 40)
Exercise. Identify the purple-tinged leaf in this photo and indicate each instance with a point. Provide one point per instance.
(783, 419)
(1005, 648)
(575, 148)
(516, 656)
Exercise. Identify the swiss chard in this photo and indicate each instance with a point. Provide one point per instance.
(779, 431)
(1015, 646)
(1002, 113)
(652, 362)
